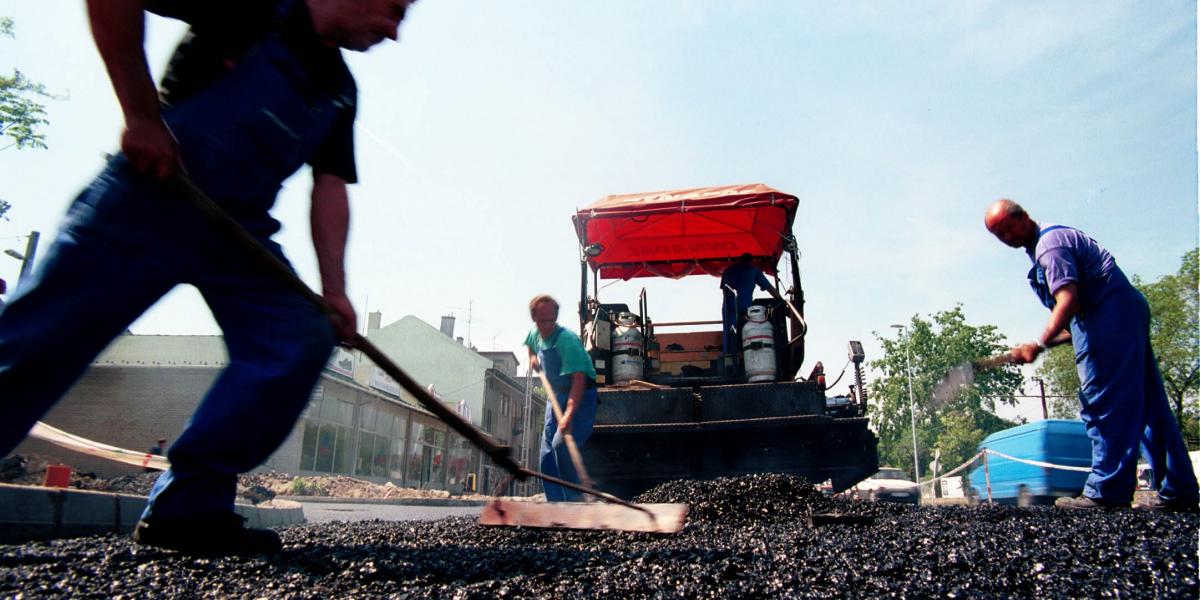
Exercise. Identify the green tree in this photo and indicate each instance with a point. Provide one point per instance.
(21, 113)
(953, 423)
(1175, 330)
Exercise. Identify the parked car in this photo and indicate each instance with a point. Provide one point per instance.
(889, 485)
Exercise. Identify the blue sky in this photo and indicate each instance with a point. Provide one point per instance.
(895, 124)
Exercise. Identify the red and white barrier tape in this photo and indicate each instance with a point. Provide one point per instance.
(1036, 463)
(71, 441)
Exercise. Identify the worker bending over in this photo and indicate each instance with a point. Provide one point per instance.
(1124, 404)
(253, 92)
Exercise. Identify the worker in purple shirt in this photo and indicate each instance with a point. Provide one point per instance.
(1124, 405)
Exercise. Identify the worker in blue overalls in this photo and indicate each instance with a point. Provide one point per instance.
(560, 354)
(1123, 402)
(737, 293)
(253, 92)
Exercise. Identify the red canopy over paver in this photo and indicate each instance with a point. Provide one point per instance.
(686, 232)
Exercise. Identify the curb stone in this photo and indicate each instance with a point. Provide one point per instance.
(30, 513)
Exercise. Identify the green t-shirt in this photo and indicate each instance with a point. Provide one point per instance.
(570, 349)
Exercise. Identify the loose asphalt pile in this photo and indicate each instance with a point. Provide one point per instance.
(747, 537)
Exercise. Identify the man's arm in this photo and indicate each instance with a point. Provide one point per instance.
(534, 363)
(118, 27)
(1066, 306)
(330, 218)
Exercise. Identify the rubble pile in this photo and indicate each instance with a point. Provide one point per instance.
(252, 487)
(334, 486)
(726, 551)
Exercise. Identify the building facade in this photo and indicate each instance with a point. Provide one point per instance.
(358, 422)
(515, 416)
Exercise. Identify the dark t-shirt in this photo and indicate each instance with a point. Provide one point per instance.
(222, 31)
(742, 277)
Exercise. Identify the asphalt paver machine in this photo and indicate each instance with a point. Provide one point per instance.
(673, 403)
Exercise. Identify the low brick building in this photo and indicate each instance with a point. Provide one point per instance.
(358, 421)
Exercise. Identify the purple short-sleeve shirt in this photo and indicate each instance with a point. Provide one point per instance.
(1068, 255)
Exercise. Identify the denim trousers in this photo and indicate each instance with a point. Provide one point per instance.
(125, 242)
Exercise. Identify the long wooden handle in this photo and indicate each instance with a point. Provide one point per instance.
(1009, 358)
(499, 454)
(234, 230)
(568, 438)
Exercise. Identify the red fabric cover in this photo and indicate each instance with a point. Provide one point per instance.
(686, 232)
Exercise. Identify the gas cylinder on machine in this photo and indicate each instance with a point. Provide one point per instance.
(758, 346)
(627, 361)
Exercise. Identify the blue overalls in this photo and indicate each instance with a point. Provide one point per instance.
(1123, 402)
(743, 278)
(555, 459)
(127, 240)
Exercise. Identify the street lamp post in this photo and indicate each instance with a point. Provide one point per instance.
(26, 258)
(912, 403)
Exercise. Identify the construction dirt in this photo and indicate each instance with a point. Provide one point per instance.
(252, 487)
(751, 537)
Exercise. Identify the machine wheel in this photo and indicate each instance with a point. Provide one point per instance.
(1024, 497)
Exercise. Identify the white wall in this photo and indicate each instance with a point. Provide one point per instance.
(429, 357)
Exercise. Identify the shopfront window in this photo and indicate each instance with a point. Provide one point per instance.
(308, 446)
(413, 470)
(342, 461)
(366, 453)
(326, 441)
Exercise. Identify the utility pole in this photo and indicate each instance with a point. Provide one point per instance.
(527, 416)
(1042, 387)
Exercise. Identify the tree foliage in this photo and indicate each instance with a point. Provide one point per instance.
(956, 424)
(22, 114)
(1175, 330)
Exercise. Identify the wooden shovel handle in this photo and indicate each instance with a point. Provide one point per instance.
(572, 449)
(499, 454)
(275, 267)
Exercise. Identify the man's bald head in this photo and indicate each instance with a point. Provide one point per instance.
(1010, 224)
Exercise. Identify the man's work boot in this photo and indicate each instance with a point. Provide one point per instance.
(1081, 503)
(213, 534)
(1154, 502)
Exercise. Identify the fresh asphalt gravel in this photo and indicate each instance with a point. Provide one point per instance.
(748, 537)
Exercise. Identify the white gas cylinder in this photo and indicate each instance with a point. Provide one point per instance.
(627, 361)
(758, 346)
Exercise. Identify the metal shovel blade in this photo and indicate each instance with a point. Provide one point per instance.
(947, 390)
(659, 518)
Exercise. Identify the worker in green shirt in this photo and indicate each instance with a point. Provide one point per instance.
(560, 353)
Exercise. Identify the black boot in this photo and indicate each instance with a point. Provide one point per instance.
(212, 534)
